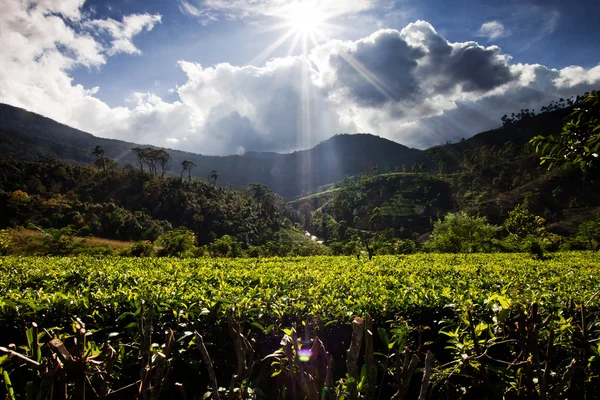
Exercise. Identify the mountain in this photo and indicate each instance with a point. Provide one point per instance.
(29, 136)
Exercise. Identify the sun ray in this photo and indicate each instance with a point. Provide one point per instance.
(366, 74)
(259, 59)
(294, 44)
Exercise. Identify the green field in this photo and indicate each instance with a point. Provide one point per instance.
(493, 325)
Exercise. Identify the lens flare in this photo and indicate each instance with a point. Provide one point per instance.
(304, 355)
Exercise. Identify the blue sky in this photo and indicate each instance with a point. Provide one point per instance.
(194, 74)
(554, 33)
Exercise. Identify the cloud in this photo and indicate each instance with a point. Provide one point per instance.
(574, 76)
(410, 85)
(412, 73)
(493, 30)
(274, 108)
(210, 10)
(122, 32)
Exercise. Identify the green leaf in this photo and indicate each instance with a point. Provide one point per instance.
(384, 337)
(259, 326)
(9, 387)
(269, 329)
(131, 325)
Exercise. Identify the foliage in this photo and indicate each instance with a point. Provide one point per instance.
(62, 242)
(187, 165)
(460, 233)
(156, 160)
(176, 242)
(5, 242)
(522, 223)
(141, 248)
(504, 324)
(226, 246)
(589, 233)
(579, 142)
(129, 206)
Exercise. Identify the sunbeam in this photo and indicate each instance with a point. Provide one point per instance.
(262, 57)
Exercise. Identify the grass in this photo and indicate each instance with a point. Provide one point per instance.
(31, 242)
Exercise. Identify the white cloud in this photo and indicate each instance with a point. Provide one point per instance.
(493, 30)
(574, 75)
(207, 10)
(122, 32)
(413, 86)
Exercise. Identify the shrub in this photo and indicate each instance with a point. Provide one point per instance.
(226, 246)
(143, 248)
(460, 233)
(176, 242)
(522, 223)
(62, 242)
(589, 233)
(5, 242)
(406, 246)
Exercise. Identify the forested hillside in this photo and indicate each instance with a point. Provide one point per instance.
(28, 136)
(380, 206)
(493, 176)
(132, 205)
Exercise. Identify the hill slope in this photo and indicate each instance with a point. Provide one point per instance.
(28, 136)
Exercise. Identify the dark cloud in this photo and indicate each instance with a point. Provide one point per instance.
(409, 66)
(231, 131)
(447, 65)
(471, 117)
(388, 63)
(477, 69)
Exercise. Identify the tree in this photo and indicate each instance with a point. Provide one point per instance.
(153, 158)
(164, 161)
(141, 155)
(522, 223)
(176, 242)
(376, 220)
(187, 165)
(213, 176)
(589, 233)
(460, 233)
(579, 142)
(440, 157)
(100, 161)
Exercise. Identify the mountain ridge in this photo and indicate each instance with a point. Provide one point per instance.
(30, 136)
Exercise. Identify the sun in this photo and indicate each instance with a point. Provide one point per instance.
(305, 18)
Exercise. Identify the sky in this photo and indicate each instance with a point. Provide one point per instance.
(223, 77)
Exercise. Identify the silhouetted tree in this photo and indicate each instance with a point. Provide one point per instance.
(164, 161)
(154, 159)
(100, 161)
(213, 176)
(187, 165)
